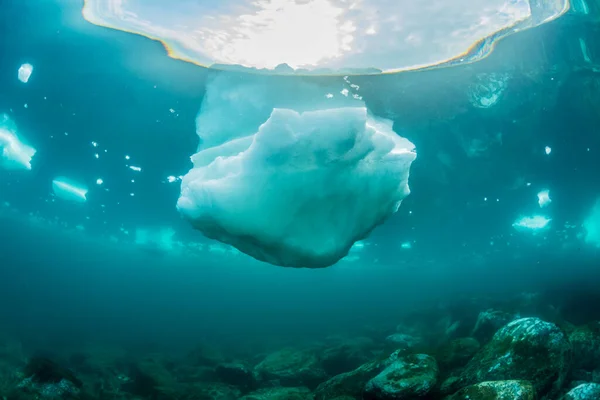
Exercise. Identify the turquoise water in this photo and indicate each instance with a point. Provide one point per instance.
(123, 277)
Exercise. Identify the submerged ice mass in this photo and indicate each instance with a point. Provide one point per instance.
(14, 154)
(302, 188)
(69, 190)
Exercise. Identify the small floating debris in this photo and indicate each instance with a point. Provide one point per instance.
(544, 199)
(99, 181)
(406, 246)
(69, 190)
(25, 72)
(134, 168)
(548, 150)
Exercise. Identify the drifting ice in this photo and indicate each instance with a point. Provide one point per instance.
(303, 188)
(14, 154)
(24, 73)
(66, 189)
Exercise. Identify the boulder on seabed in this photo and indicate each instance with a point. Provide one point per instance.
(291, 368)
(585, 391)
(351, 384)
(525, 349)
(410, 377)
(496, 390)
(488, 323)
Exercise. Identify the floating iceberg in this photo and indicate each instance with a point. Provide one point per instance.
(324, 36)
(297, 188)
(66, 189)
(14, 154)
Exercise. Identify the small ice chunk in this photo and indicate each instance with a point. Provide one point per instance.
(544, 199)
(14, 154)
(171, 179)
(532, 223)
(548, 150)
(134, 168)
(99, 181)
(25, 71)
(67, 189)
(127, 157)
(301, 190)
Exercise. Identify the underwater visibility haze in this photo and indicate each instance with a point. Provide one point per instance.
(294, 200)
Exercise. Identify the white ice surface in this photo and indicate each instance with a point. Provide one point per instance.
(302, 188)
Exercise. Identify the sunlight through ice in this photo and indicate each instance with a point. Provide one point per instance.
(324, 36)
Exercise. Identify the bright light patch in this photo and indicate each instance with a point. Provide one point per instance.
(368, 35)
(592, 226)
(406, 246)
(544, 199)
(14, 154)
(69, 190)
(25, 72)
(533, 223)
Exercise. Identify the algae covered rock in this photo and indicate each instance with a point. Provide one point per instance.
(402, 341)
(291, 367)
(347, 355)
(488, 323)
(236, 374)
(525, 349)
(457, 353)
(351, 384)
(585, 391)
(585, 341)
(409, 377)
(496, 390)
(280, 393)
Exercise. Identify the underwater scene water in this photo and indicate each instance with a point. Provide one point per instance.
(293, 200)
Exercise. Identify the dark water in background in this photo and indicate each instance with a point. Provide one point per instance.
(58, 288)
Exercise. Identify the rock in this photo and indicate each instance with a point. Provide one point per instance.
(586, 346)
(525, 349)
(291, 368)
(402, 341)
(409, 377)
(212, 391)
(236, 374)
(351, 384)
(347, 355)
(585, 391)
(280, 393)
(496, 390)
(457, 353)
(43, 370)
(488, 323)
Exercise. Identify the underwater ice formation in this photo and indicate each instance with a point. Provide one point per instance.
(324, 36)
(69, 190)
(292, 180)
(14, 154)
